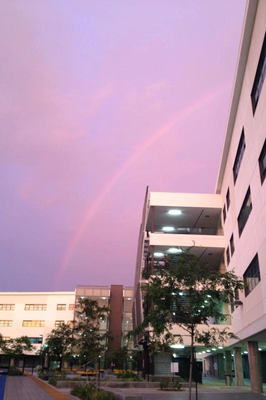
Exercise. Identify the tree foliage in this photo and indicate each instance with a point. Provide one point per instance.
(188, 293)
(60, 342)
(16, 346)
(90, 342)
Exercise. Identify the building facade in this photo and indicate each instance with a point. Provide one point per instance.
(228, 227)
(36, 314)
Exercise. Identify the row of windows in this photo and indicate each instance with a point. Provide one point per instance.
(32, 323)
(35, 307)
(7, 307)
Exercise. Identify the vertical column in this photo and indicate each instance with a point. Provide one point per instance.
(238, 367)
(228, 367)
(254, 367)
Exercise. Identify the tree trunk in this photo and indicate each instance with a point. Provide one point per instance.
(191, 365)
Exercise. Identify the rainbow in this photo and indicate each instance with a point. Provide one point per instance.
(180, 116)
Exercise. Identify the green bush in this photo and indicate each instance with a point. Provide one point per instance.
(89, 392)
(127, 375)
(52, 381)
(177, 384)
(164, 383)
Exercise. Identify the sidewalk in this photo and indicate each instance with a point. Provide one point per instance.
(30, 388)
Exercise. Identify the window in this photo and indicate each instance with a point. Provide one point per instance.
(262, 163)
(5, 338)
(224, 213)
(58, 323)
(239, 155)
(252, 275)
(232, 245)
(228, 198)
(71, 307)
(35, 307)
(259, 77)
(7, 307)
(61, 307)
(6, 322)
(35, 340)
(227, 256)
(33, 323)
(244, 212)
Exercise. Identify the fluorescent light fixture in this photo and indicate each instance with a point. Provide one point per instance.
(174, 212)
(260, 349)
(174, 355)
(208, 295)
(177, 346)
(208, 351)
(174, 250)
(204, 352)
(213, 349)
(181, 293)
(158, 254)
(220, 347)
(168, 228)
(245, 352)
(205, 301)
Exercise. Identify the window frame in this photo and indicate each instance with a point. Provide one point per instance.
(228, 200)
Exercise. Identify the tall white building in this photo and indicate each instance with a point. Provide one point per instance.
(230, 224)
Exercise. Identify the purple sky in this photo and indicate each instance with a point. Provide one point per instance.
(98, 100)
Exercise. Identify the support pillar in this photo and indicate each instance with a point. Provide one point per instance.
(254, 367)
(239, 380)
(228, 367)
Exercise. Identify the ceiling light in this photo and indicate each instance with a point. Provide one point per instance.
(181, 293)
(174, 250)
(177, 346)
(208, 295)
(158, 254)
(208, 351)
(174, 212)
(260, 349)
(214, 349)
(168, 228)
(220, 347)
(204, 352)
(205, 301)
(245, 352)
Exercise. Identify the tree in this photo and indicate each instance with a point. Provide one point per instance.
(16, 346)
(188, 293)
(60, 342)
(90, 342)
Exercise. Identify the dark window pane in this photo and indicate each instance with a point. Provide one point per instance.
(259, 77)
(224, 213)
(262, 162)
(239, 155)
(228, 198)
(244, 212)
(252, 275)
(227, 255)
(232, 245)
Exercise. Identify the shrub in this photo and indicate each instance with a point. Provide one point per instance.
(15, 371)
(52, 381)
(177, 384)
(164, 383)
(127, 375)
(89, 392)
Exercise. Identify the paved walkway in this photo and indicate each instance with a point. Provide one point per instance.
(31, 388)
